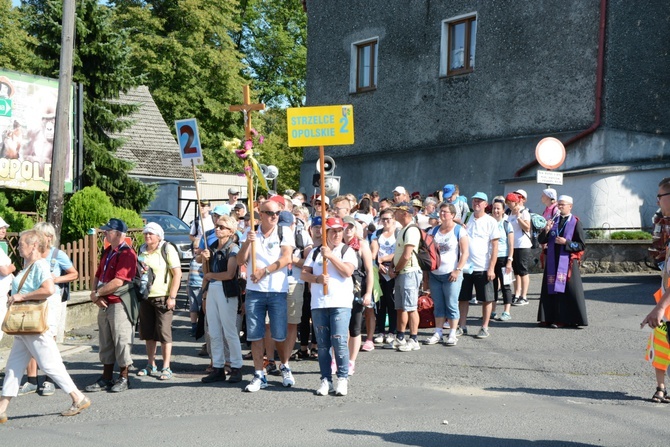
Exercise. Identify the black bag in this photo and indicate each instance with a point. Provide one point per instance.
(218, 263)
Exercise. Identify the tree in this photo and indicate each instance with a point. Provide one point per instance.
(273, 38)
(15, 42)
(102, 66)
(185, 55)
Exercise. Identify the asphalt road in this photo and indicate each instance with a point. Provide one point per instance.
(522, 386)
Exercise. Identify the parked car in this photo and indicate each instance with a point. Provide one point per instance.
(176, 231)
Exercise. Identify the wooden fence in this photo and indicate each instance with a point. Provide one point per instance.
(84, 253)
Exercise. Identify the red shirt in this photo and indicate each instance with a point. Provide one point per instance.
(120, 263)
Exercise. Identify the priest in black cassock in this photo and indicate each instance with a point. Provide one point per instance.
(562, 297)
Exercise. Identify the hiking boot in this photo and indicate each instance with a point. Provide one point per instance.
(235, 375)
(217, 375)
(121, 384)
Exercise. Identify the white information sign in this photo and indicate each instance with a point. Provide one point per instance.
(550, 177)
(189, 142)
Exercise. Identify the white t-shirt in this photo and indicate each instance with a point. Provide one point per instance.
(207, 222)
(268, 251)
(521, 238)
(386, 247)
(449, 249)
(481, 232)
(295, 272)
(340, 289)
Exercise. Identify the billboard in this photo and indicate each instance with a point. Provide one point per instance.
(27, 126)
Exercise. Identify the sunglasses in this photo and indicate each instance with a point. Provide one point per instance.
(271, 213)
(221, 227)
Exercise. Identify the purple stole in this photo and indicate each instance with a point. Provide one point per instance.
(557, 276)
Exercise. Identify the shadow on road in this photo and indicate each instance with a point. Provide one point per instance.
(429, 439)
(584, 394)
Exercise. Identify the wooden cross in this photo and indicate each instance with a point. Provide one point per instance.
(246, 108)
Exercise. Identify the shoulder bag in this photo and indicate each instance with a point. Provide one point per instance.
(26, 317)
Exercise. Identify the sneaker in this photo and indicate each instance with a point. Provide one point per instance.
(483, 333)
(217, 375)
(515, 300)
(352, 368)
(47, 389)
(100, 385)
(121, 384)
(78, 407)
(392, 343)
(287, 377)
(410, 345)
(505, 316)
(450, 340)
(474, 301)
(435, 339)
(368, 346)
(341, 389)
(325, 388)
(389, 338)
(27, 388)
(520, 302)
(493, 315)
(461, 331)
(257, 383)
(446, 325)
(235, 375)
(271, 368)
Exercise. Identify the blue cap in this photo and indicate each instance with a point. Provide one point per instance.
(286, 219)
(433, 216)
(481, 196)
(448, 190)
(221, 210)
(115, 224)
(316, 221)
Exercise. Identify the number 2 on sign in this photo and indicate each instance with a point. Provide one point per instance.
(187, 148)
(345, 122)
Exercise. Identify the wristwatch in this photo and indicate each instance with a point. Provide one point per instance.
(267, 272)
(510, 259)
(459, 269)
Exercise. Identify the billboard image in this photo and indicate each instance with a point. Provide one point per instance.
(27, 126)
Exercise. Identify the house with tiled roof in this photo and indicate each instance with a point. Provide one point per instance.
(154, 152)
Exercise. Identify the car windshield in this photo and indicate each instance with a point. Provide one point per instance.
(169, 224)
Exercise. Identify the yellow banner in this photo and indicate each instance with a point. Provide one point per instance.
(320, 126)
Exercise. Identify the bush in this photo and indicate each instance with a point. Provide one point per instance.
(17, 222)
(87, 208)
(130, 217)
(630, 235)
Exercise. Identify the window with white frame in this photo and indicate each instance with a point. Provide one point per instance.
(364, 66)
(457, 48)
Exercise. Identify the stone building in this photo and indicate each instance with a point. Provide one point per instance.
(461, 91)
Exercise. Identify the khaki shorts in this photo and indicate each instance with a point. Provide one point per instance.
(155, 320)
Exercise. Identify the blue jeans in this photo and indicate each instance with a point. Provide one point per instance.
(332, 330)
(256, 305)
(445, 295)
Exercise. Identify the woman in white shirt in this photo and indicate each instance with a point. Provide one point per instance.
(519, 218)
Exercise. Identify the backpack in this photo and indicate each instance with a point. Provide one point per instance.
(145, 276)
(537, 223)
(426, 309)
(428, 254)
(359, 276)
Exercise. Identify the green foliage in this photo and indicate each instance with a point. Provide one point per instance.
(630, 235)
(87, 208)
(595, 234)
(130, 217)
(275, 150)
(17, 221)
(15, 42)
(102, 64)
(273, 39)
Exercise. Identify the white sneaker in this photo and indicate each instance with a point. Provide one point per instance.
(393, 343)
(325, 388)
(435, 339)
(257, 383)
(287, 377)
(341, 389)
(379, 339)
(389, 338)
(450, 340)
(446, 325)
(410, 345)
(474, 301)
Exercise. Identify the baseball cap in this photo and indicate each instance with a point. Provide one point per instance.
(153, 228)
(365, 218)
(417, 203)
(334, 222)
(115, 224)
(522, 193)
(233, 190)
(325, 199)
(205, 203)
(481, 196)
(3, 224)
(279, 199)
(221, 210)
(448, 190)
(400, 190)
(405, 206)
(239, 206)
(513, 197)
(285, 219)
(316, 221)
(349, 220)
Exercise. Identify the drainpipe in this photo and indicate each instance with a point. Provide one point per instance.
(599, 89)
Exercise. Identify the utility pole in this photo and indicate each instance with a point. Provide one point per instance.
(62, 138)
